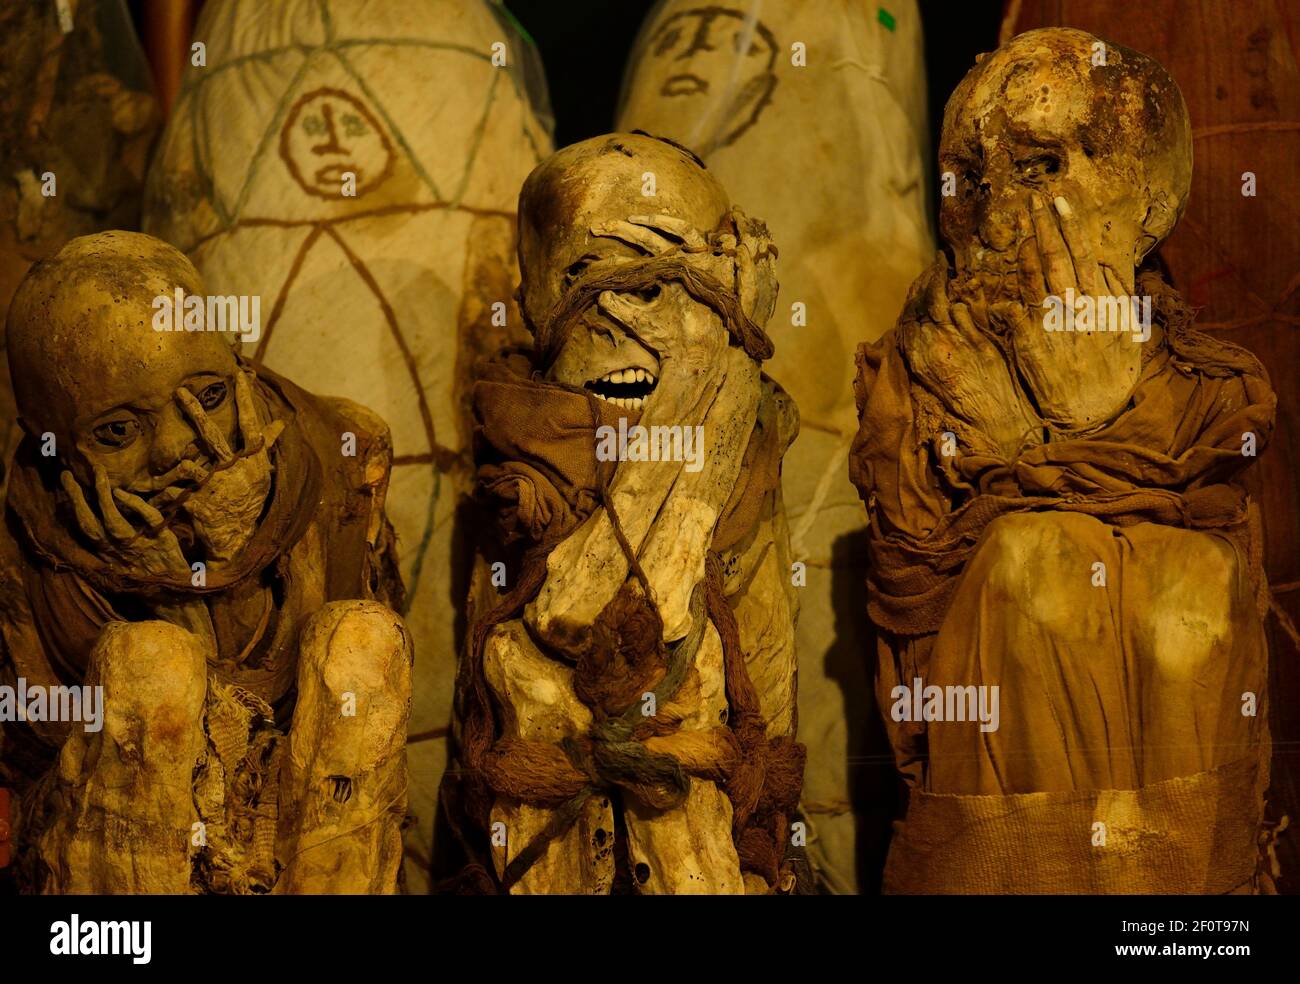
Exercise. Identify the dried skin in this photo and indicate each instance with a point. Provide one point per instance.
(167, 456)
(1068, 173)
(581, 213)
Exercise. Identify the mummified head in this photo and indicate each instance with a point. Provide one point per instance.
(88, 366)
(566, 199)
(1061, 112)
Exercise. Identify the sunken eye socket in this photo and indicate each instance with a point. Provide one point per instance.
(1038, 167)
(575, 270)
(212, 396)
(117, 434)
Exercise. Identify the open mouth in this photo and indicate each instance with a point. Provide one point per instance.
(626, 388)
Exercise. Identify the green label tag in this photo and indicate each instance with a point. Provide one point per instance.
(886, 18)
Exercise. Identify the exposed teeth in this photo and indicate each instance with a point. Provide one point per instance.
(628, 376)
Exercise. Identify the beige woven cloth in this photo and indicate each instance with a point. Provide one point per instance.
(1191, 835)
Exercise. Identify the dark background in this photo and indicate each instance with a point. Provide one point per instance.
(584, 45)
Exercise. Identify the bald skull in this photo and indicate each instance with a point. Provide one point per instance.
(1063, 113)
(89, 367)
(579, 209)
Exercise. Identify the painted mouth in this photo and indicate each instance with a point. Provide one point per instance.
(626, 388)
(684, 85)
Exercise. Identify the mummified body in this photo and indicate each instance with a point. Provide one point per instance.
(209, 546)
(1053, 511)
(626, 702)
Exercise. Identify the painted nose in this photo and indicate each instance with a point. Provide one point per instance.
(174, 440)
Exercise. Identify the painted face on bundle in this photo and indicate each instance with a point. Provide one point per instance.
(1061, 114)
(717, 66)
(574, 219)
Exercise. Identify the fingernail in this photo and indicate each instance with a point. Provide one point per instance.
(1063, 207)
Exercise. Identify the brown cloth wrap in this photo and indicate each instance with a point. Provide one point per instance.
(535, 442)
(71, 592)
(1169, 458)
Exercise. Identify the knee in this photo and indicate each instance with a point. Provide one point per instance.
(357, 645)
(1199, 602)
(1041, 565)
(355, 667)
(154, 680)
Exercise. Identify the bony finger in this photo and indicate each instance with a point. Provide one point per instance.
(170, 495)
(1058, 270)
(1086, 274)
(679, 229)
(116, 524)
(637, 236)
(746, 280)
(629, 314)
(187, 471)
(936, 294)
(1029, 269)
(153, 519)
(1115, 286)
(1012, 317)
(85, 516)
(208, 431)
(272, 433)
(250, 422)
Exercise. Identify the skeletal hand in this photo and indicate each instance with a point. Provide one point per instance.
(961, 364)
(746, 263)
(1079, 379)
(229, 499)
(756, 281)
(687, 336)
(153, 550)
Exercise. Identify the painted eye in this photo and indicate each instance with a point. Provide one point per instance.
(117, 433)
(212, 396)
(668, 41)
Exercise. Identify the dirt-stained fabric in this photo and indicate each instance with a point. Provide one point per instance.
(1187, 836)
(535, 441)
(71, 592)
(1169, 458)
(982, 574)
